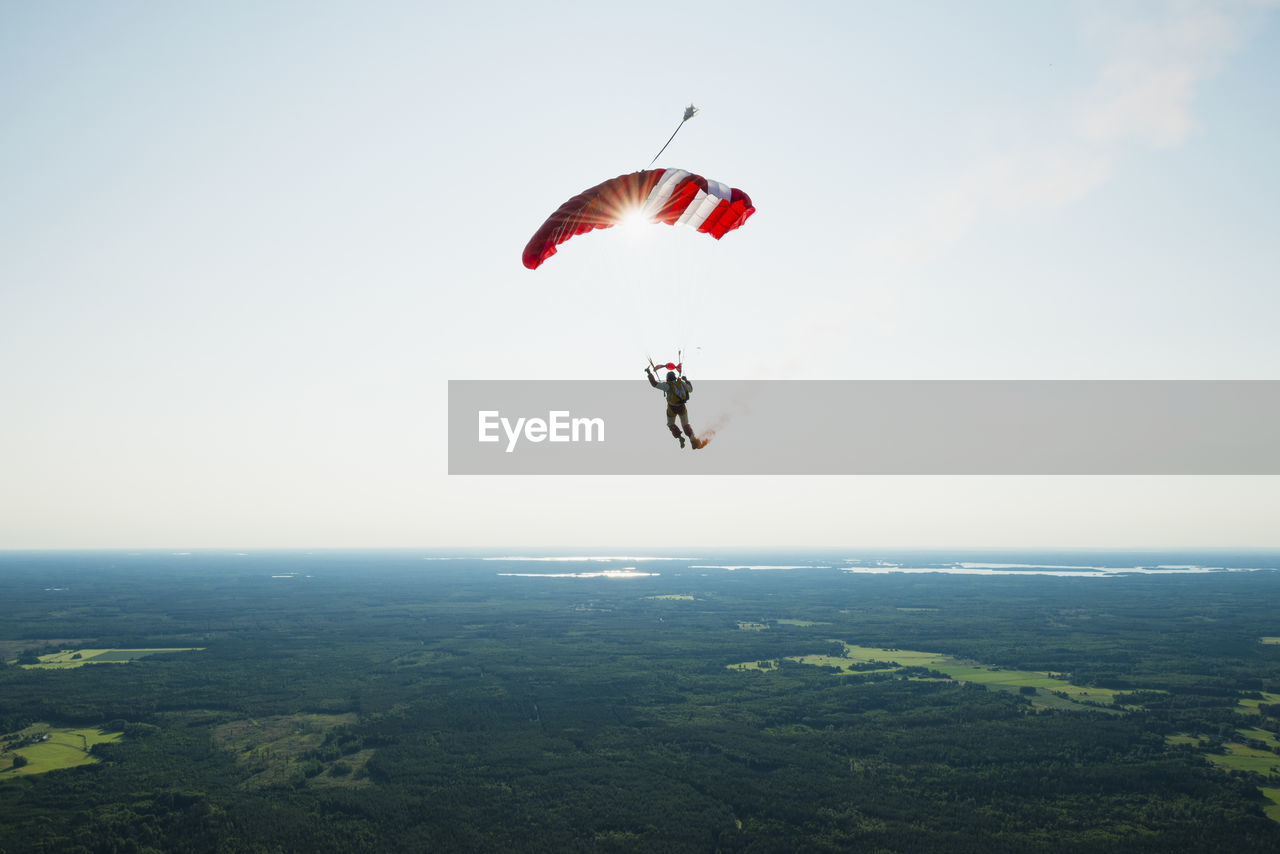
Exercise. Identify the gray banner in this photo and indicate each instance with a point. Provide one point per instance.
(617, 427)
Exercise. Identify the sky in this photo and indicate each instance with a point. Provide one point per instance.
(245, 246)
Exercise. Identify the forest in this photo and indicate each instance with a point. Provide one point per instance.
(380, 701)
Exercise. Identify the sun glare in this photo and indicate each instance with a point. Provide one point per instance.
(633, 219)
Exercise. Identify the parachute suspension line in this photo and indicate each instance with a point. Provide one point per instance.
(689, 112)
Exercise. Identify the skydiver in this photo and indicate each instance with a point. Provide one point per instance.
(676, 390)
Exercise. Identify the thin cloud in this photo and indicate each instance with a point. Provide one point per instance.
(1153, 67)
(1144, 92)
(1150, 60)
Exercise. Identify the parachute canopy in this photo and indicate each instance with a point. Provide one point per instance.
(671, 196)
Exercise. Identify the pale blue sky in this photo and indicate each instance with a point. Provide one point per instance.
(243, 246)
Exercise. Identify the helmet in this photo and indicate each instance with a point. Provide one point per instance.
(671, 376)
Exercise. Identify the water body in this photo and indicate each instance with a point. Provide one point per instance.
(59, 572)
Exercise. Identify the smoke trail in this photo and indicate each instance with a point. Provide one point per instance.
(738, 406)
(704, 438)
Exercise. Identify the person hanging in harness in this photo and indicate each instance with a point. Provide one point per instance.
(676, 390)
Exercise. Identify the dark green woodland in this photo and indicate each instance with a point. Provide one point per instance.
(382, 702)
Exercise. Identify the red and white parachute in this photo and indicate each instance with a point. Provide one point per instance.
(671, 196)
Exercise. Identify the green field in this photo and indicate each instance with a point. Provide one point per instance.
(1267, 738)
(79, 657)
(63, 748)
(1273, 810)
(1016, 679)
(1241, 757)
(801, 623)
(1051, 692)
(1250, 706)
(684, 597)
(1270, 640)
